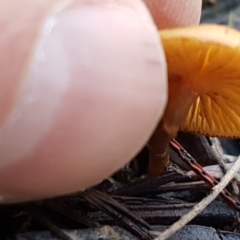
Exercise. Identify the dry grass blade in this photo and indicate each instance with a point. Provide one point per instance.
(201, 205)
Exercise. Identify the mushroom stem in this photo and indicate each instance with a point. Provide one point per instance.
(181, 97)
(158, 150)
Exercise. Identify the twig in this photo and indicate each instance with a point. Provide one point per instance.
(56, 231)
(69, 213)
(148, 185)
(201, 205)
(222, 164)
(203, 174)
(119, 212)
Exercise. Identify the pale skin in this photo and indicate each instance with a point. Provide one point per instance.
(83, 84)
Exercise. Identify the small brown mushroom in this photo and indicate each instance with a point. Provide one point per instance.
(204, 87)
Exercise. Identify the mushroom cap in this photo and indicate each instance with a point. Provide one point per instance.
(206, 59)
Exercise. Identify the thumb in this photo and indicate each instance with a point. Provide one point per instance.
(82, 88)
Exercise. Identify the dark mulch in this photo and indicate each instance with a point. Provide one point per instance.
(131, 205)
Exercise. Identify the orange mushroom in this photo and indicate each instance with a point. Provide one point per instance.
(204, 87)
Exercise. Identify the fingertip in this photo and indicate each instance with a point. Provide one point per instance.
(172, 13)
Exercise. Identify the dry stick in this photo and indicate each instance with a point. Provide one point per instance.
(222, 164)
(201, 205)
